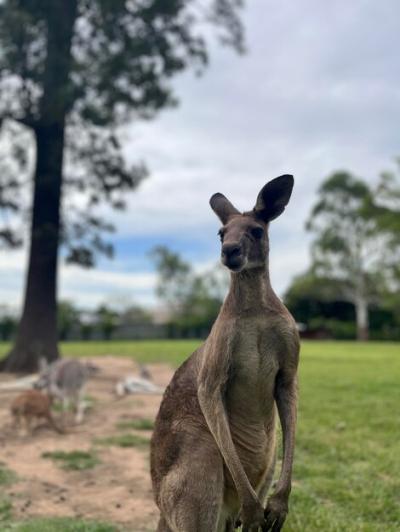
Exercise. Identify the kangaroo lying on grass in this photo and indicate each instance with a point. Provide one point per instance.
(213, 449)
(31, 405)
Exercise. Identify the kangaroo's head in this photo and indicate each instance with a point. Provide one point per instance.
(244, 236)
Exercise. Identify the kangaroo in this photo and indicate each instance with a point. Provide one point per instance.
(32, 404)
(213, 450)
(65, 380)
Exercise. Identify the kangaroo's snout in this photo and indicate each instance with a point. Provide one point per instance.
(232, 256)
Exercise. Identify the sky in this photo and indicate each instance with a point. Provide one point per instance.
(318, 90)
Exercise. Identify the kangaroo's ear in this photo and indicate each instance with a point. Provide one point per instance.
(222, 207)
(274, 197)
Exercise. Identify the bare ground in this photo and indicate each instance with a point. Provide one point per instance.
(116, 490)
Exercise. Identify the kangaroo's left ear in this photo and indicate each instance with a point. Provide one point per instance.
(273, 198)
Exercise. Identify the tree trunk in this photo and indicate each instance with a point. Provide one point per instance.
(362, 319)
(37, 330)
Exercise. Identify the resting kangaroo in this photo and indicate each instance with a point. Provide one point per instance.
(213, 447)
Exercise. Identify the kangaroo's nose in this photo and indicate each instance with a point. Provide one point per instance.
(231, 251)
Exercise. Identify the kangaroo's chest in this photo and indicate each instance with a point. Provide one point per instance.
(254, 368)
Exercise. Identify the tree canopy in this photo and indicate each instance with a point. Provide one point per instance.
(123, 55)
(354, 241)
(71, 74)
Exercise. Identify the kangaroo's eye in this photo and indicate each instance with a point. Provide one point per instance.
(221, 234)
(257, 232)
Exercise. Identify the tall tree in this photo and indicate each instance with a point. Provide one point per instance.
(71, 73)
(349, 248)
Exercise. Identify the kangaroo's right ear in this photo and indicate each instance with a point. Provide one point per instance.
(274, 197)
(222, 207)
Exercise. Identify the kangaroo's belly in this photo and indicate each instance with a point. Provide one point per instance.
(256, 447)
(249, 400)
(255, 444)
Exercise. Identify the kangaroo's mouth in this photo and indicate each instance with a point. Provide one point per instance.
(235, 264)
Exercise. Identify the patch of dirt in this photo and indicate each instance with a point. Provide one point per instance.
(118, 489)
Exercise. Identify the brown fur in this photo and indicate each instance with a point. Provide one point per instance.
(32, 405)
(213, 448)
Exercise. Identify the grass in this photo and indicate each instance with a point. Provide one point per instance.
(73, 460)
(59, 524)
(347, 467)
(7, 476)
(124, 440)
(5, 510)
(170, 352)
(136, 424)
(347, 470)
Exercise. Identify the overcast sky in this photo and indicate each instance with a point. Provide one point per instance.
(318, 90)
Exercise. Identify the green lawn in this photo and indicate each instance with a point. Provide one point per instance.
(347, 472)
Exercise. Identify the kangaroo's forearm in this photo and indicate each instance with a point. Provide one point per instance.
(286, 400)
(215, 415)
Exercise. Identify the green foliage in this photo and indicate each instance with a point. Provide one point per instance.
(174, 276)
(136, 424)
(107, 320)
(104, 321)
(318, 303)
(385, 209)
(338, 329)
(133, 314)
(310, 286)
(68, 317)
(73, 460)
(124, 440)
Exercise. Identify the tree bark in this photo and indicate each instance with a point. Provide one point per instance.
(37, 331)
(362, 319)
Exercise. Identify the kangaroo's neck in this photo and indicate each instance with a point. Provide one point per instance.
(249, 289)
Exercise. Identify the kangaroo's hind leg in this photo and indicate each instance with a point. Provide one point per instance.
(80, 405)
(191, 494)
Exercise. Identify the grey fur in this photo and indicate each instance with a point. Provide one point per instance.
(65, 380)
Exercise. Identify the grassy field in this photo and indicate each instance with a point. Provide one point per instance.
(347, 471)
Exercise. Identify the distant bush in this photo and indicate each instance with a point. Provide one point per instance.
(340, 330)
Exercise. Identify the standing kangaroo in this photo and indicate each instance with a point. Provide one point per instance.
(213, 449)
